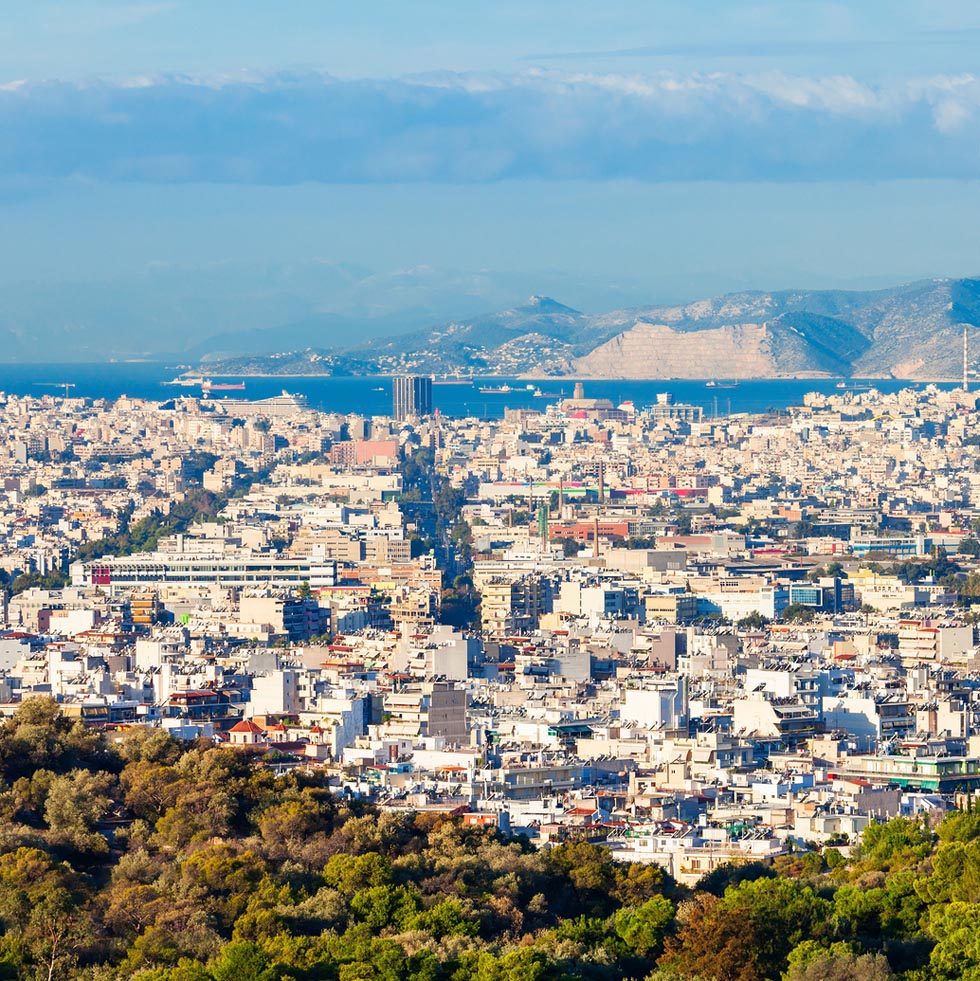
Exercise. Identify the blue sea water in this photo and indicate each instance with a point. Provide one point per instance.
(372, 395)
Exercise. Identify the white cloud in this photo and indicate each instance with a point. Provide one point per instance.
(288, 128)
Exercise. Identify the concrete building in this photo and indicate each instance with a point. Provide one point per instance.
(411, 395)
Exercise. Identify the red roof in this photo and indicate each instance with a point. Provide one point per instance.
(247, 725)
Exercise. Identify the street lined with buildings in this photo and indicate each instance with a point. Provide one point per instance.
(694, 638)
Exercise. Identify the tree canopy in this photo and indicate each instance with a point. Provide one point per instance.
(131, 855)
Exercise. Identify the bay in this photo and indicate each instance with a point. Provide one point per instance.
(372, 395)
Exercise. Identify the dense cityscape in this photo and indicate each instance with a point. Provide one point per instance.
(704, 647)
(490, 492)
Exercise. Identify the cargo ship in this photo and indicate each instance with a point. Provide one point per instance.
(209, 386)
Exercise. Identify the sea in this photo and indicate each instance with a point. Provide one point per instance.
(371, 395)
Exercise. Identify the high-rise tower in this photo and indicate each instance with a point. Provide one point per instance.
(411, 395)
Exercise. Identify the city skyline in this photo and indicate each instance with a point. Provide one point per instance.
(490, 491)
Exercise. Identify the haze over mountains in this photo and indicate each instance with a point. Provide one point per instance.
(184, 312)
(912, 331)
(332, 318)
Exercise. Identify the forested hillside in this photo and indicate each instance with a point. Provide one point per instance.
(133, 856)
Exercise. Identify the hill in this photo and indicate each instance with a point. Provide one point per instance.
(913, 331)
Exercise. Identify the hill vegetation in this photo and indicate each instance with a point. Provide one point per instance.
(133, 856)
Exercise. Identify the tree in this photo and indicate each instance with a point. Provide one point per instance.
(56, 579)
(837, 963)
(731, 874)
(799, 613)
(55, 934)
(75, 803)
(956, 929)
(591, 871)
(710, 943)
(871, 914)
(801, 529)
(636, 882)
(834, 569)
(39, 737)
(569, 547)
(243, 960)
(746, 935)
(351, 873)
(641, 543)
(894, 845)
(955, 875)
(683, 522)
(149, 745)
(959, 826)
(754, 621)
(643, 928)
(385, 905)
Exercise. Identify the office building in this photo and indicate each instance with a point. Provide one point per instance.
(411, 396)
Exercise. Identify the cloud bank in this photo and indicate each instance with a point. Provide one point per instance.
(469, 128)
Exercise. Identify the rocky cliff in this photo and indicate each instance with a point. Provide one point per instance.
(912, 331)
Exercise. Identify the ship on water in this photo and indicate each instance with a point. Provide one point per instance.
(211, 386)
(206, 384)
(504, 389)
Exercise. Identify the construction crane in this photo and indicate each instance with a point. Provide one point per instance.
(64, 385)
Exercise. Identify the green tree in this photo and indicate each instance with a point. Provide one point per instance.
(75, 804)
(896, 844)
(955, 875)
(799, 613)
(350, 874)
(39, 737)
(243, 960)
(959, 826)
(956, 929)
(837, 963)
(569, 547)
(747, 935)
(57, 932)
(642, 928)
(719, 879)
(754, 621)
(385, 905)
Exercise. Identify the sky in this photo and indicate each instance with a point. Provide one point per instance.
(621, 153)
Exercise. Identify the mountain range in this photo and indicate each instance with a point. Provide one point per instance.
(185, 312)
(913, 331)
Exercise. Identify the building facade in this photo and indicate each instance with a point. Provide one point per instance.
(411, 395)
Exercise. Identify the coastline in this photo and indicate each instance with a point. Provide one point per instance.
(891, 379)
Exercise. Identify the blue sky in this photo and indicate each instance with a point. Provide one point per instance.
(618, 152)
